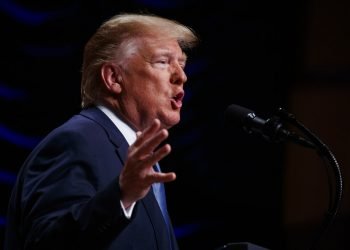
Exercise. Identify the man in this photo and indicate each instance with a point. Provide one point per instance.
(93, 182)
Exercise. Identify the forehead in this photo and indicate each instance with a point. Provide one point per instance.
(149, 49)
(149, 46)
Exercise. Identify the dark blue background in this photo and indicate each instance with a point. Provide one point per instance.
(229, 186)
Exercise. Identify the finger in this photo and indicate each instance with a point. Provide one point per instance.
(151, 159)
(155, 141)
(149, 146)
(142, 136)
(164, 177)
(160, 153)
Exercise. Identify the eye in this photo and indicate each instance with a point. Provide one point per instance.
(162, 61)
(182, 63)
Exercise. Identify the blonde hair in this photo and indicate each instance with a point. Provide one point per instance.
(106, 44)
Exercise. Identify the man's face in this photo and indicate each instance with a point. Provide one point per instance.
(152, 82)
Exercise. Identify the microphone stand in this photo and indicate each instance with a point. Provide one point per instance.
(327, 156)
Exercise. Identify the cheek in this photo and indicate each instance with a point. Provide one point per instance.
(152, 99)
(148, 85)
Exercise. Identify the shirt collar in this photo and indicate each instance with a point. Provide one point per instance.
(125, 129)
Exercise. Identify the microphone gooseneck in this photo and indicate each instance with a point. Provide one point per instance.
(272, 130)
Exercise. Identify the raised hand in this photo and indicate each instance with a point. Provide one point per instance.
(138, 174)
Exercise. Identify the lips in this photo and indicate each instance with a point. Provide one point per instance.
(176, 101)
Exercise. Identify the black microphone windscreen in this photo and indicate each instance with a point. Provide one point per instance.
(235, 114)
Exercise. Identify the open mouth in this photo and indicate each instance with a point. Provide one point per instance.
(177, 100)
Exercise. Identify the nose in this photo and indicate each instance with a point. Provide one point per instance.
(178, 75)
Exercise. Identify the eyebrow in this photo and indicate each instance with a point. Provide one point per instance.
(165, 52)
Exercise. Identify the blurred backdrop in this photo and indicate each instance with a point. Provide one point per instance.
(262, 55)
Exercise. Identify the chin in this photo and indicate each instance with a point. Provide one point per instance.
(171, 121)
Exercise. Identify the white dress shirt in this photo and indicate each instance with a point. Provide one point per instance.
(130, 136)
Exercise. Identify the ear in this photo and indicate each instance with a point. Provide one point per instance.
(111, 77)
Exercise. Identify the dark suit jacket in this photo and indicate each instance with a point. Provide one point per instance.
(67, 194)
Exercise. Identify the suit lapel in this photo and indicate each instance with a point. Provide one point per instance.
(113, 133)
(151, 206)
(149, 202)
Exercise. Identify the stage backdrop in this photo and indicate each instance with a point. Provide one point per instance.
(231, 187)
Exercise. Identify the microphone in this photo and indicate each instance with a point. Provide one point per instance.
(270, 129)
